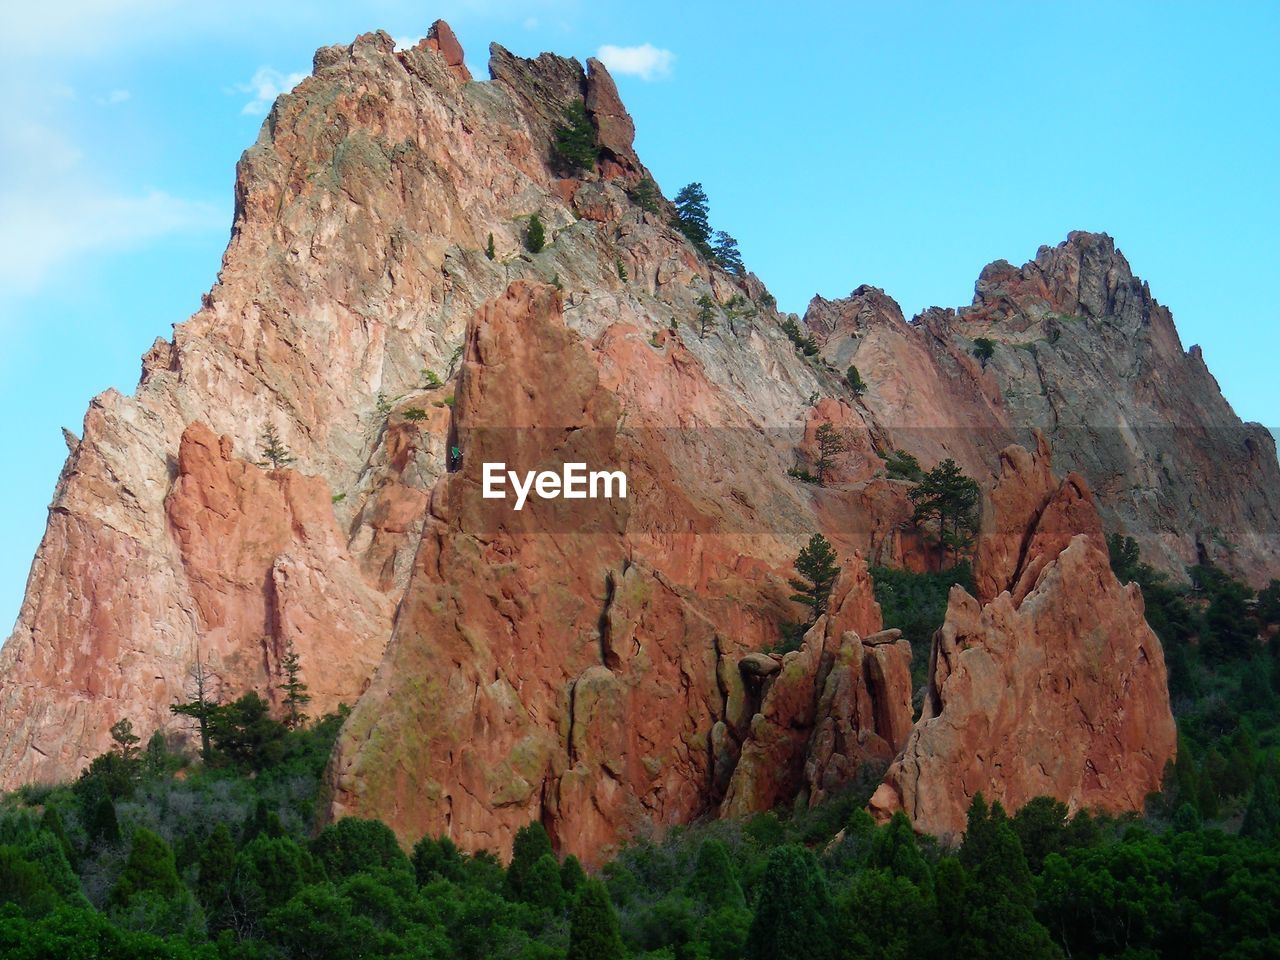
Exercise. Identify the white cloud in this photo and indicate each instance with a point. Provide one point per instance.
(267, 84)
(645, 61)
(113, 97)
(53, 210)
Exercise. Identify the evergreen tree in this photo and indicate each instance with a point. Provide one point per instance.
(216, 869)
(726, 253)
(984, 349)
(572, 876)
(831, 443)
(593, 926)
(576, 146)
(24, 885)
(51, 822)
(646, 196)
(1262, 816)
(691, 217)
(274, 453)
(149, 869)
(295, 691)
(535, 237)
(436, 859)
(244, 733)
(126, 740)
(706, 314)
(855, 381)
(489, 250)
(354, 844)
(101, 824)
(817, 565)
(947, 498)
(793, 909)
(542, 886)
(530, 845)
(714, 884)
(894, 848)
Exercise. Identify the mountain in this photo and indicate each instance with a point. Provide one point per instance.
(602, 665)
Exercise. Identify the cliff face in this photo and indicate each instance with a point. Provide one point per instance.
(1049, 682)
(596, 664)
(1083, 352)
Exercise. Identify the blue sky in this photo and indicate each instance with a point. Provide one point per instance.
(900, 144)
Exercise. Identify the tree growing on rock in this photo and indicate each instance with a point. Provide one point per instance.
(692, 218)
(817, 569)
(274, 453)
(831, 443)
(646, 195)
(296, 696)
(855, 381)
(706, 314)
(947, 499)
(725, 252)
(984, 349)
(535, 237)
(576, 146)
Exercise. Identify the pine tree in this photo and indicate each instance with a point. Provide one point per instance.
(576, 146)
(203, 686)
(489, 250)
(274, 453)
(536, 236)
(149, 869)
(831, 443)
(817, 565)
(593, 926)
(855, 381)
(216, 869)
(793, 909)
(645, 195)
(692, 219)
(542, 886)
(572, 876)
(1262, 816)
(946, 497)
(726, 253)
(101, 824)
(706, 314)
(295, 691)
(984, 349)
(714, 883)
(531, 844)
(126, 740)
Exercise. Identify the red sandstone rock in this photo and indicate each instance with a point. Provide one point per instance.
(441, 39)
(1057, 688)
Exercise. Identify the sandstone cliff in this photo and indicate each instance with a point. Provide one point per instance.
(1049, 682)
(597, 666)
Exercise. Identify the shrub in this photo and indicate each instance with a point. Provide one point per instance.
(984, 349)
(855, 381)
(645, 195)
(535, 237)
(576, 147)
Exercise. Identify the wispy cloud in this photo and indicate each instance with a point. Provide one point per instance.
(54, 210)
(267, 84)
(644, 61)
(112, 97)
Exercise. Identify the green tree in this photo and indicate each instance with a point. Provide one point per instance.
(816, 564)
(101, 824)
(24, 885)
(489, 250)
(725, 252)
(1262, 816)
(535, 237)
(984, 349)
(793, 909)
(149, 869)
(542, 887)
(646, 195)
(593, 926)
(706, 314)
(831, 443)
(353, 844)
(244, 732)
(437, 859)
(296, 696)
(530, 845)
(1041, 826)
(274, 453)
(855, 381)
(714, 883)
(691, 217)
(572, 876)
(126, 740)
(576, 146)
(215, 870)
(203, 686)
(948, 499)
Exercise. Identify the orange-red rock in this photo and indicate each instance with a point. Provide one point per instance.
(1057, 688)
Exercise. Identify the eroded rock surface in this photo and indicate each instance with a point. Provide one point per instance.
(1054, 685)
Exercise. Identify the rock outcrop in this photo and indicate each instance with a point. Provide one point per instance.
(1049, 683)
(598, 665)
(1082, 351)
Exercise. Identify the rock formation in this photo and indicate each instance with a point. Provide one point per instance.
(1082, 351)
(1049, 682)
(597, 665)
